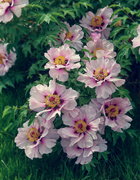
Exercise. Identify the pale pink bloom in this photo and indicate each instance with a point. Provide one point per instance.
(103, 35)
(52, 99)
(115, 111)
(97, 104)
(74, 36)
(101, 74)
(61, 60)
(84, 155)
(95, 36)
(8, 7)
(100, 48)
(82, 128)
(37, 139)
(6, 60)
(136, 40)
(106, 32)
(97, 22)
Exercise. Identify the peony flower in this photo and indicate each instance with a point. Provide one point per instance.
(6, 60)
(52, 99)
(101, 74)
(74, 36)
(136, 40)
(95, 36)
(37, 139)
(100, 48)
(61, 60)
(114, 111)
(82, 128)
(8, 7)
(98, 22)
(83, 155)
(97, 104)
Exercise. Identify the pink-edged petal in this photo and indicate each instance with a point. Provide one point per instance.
(35, 105)
(16, 10)
(74, 140)
(44, 150)
(83, 160)
(7, 16)
(67, 132)
(32, 152)
(118, 82)
(70, 93)
(70, 105)
(86, 141)
(59, 74)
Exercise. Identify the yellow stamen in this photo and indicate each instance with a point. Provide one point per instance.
(80, 126)
(96, 21)
(112, 111)
(100, 73)
(4, 1)
(33, 134)
(60, 60)
(68, 35)
(52, 100)
(1, 59)
(94, 53)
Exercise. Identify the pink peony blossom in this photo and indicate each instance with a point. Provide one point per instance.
(6, 60)
(82, 128)
(136, 40)
(100, 48)
(101, 73)
(83, 155)
(61, 60)
(52, 99)
(97, 22)
(8, 7)
(95, 36)
(97, 104)
(37, 139)
(74, 36)
(114, 111)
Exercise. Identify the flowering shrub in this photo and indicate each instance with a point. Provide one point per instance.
(76, 68)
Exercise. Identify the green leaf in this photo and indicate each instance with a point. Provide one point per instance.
(27, 49)
(7, 110)
(69, 11)
(104, 155)
(115, 31)
(123, 18)
(32, 118)
(88, 167)
(124, 93)
(2, 86)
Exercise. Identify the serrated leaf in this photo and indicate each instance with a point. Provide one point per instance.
(88, 168)
(6, 111)
(58, 14)
(32, 119)
(123, 18)
(116, 31)
(35, 6)
(1, 87)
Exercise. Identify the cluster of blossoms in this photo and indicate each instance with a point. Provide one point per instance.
(7, 9)
(83, 127)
